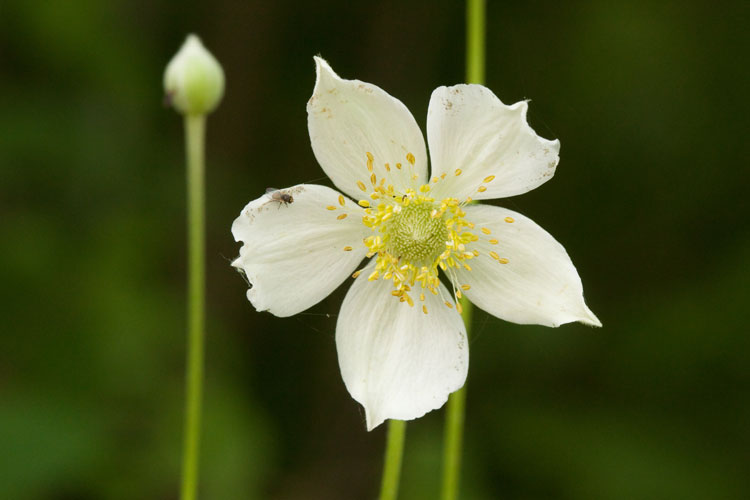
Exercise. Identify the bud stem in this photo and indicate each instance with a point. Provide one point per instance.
(195, 126)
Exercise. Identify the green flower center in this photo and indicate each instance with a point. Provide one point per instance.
(415, 236)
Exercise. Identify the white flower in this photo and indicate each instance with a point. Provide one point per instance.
(401, 343)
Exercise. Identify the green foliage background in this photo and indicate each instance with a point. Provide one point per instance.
(649, 101)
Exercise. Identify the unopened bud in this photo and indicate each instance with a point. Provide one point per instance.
(193, 80)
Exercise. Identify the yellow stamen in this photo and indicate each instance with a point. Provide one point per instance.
(330, 207)
(503, 260)
(375, 275)
(509, 220)
(342, 216)
(459, 308)
(481, 189)
(363, 203)
(485, 230)
(373, 179)
(489, 178)
(342, 201)
(370, 159)
(465, 287)
(410, 158)
(424, 309)
(450, 306)
(347, 249)
(361, 186)
(458, 171)
(493, 241)
(387, 167)
(356, 274)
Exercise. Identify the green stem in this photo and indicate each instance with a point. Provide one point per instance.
(456, 408)
(454, 426)
(195, 126)
(475, 41)
(394, 451)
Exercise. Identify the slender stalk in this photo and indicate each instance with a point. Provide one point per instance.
(454, 427)
(456, 408)
(394, 451)
(195, 139)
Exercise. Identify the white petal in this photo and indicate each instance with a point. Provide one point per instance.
(538, 284)
(348, 119)
(468, 128)
(293, 254)
(397, 361)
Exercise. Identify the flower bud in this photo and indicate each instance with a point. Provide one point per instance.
(193, 80)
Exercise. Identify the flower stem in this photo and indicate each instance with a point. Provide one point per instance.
(195, 126)
(454, 426)
(394, 451)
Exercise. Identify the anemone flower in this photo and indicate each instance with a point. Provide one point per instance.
(401, 342)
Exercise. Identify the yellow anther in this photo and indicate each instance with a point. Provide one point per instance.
(424, 188)
(458, 171)
(409, 301)
(361, 185)
(387, 167)
(355, 274)
(370, 159)
(459, 308)
(481, 189)
(410, 158)
(494, 255)
(421, 296)
(467, 266)
(342, 201)
(465, 287)
(396, 293)
(375, 275)
(414, 177)
(442, 176)
(342, 216)
(509, 220)
(373, 179)
(363, 203)
(503, 260)
(468, 199)
(424, 309)
(450, 306)
(489, 178)
(398, 166)
(493, 241)
(476, 253)
(347, 249)
(485, 230)
(330, 207)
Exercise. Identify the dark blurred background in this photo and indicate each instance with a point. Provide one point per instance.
(650, 103)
